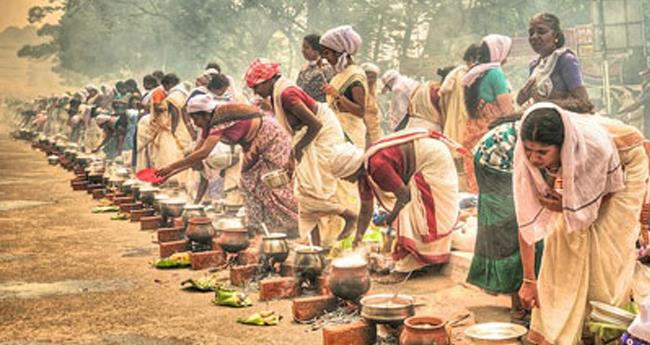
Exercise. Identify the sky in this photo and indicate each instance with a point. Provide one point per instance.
(14, 12)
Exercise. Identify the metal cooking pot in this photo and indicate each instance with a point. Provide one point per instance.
(147, 195)
(53, 160)
(309, 262)
(127, 186)
(276, 178)
(172, 207)
(349, 278)
(387, 308)
(158, 198)
(496, 333)
(192, 211)
(275, 247)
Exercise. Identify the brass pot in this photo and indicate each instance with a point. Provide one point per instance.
(309, 262)
(192, 211)
(53, 160)
(275, 247)
(147, 195)
(172, 208)
(349, 278)
(234, 240)
(200, 229)
(387, 308)
(158, 198)
(276, 178)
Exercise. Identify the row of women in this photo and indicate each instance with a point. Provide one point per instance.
(579, 179)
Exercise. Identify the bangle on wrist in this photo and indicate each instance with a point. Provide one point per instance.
(530, 281)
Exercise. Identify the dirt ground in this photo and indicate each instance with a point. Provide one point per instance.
(68, 276)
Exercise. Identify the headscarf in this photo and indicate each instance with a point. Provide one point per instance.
(346, 160)
(389, 78)
(261, 70)
(344, 40)
(499, 47)
(591, 169)
(201, 103)
(370, 67)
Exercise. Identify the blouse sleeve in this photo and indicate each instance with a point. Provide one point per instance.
(384, 174)
(498, 81)
(569, 70)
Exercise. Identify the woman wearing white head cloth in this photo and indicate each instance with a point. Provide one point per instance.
(401, 86)
(579, 184)
(412, 174)
(347, 91)
(487, 95)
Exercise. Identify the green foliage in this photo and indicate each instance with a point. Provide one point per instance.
(122, 37)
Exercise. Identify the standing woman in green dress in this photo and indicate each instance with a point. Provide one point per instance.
(496, 266)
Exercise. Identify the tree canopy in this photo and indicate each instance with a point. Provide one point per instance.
(122, 37)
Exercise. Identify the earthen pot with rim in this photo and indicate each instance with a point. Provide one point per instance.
(425, 330)
(200, 229)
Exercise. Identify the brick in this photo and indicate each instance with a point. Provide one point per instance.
(242, 275)
(150, 223)
(98, 194)
(324, 285)
(204, 260)
(355, 333)
(287, 270)
(123, 200)
(278, 288)
(128, 207)
(309, 308)
(112, 196)
(91, 187)
(169, 248)
(170, 234)
(250, 256)
(136, 215)
(81, 185)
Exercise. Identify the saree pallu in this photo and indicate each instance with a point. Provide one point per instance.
(425, 223)
(372, 118)
(353, 126)
(322, 197)
(277, 208)
(422, 113)
(318, 192)
(452, 102)
(596, 263)
(474, 131)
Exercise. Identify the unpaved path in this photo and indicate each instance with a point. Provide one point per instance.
(72, 277)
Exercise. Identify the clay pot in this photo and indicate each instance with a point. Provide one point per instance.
(200, 229)
(233, 240)
(424, 330)
(349, 278)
